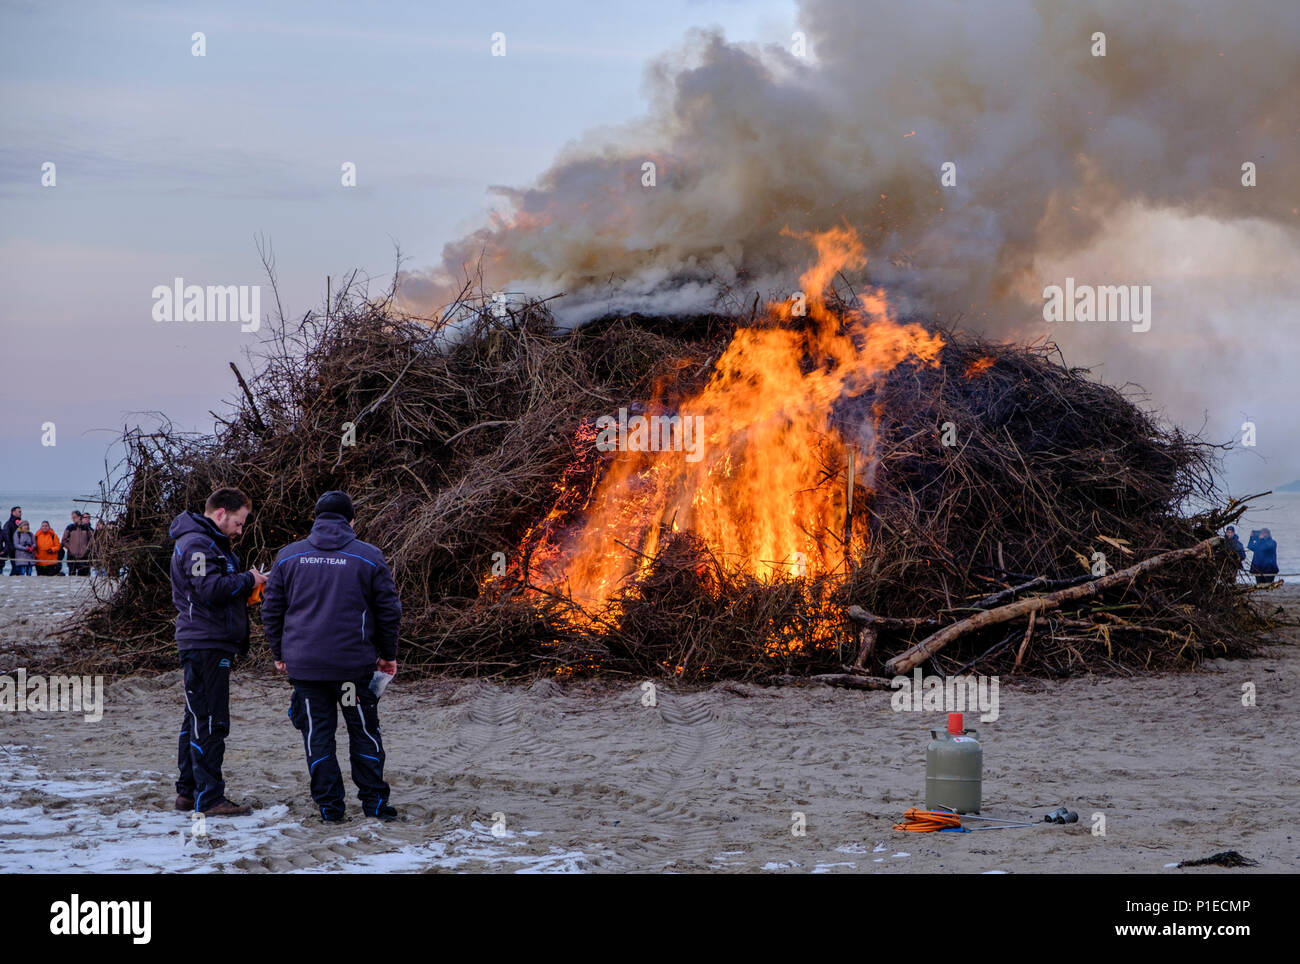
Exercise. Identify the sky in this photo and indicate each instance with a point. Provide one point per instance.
(172, 165)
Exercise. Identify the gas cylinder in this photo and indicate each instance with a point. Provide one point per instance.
(954, 764)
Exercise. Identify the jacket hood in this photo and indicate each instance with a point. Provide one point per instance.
(188, 522)
(331, 531)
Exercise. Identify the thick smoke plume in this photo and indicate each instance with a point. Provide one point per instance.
(1063, 163)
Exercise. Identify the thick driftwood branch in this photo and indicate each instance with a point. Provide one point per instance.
(906, 660)
(1039, 582)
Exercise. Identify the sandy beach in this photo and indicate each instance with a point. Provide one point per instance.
(583, 777)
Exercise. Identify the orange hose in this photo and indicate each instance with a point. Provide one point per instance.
(924, 821)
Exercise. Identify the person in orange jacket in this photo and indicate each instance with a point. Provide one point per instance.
(47, 551)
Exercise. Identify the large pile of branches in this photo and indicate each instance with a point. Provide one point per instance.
(1001, 474)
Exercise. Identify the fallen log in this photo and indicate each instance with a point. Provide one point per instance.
(915, 655)
(1039, 582)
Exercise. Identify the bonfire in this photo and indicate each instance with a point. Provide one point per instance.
(818, 489)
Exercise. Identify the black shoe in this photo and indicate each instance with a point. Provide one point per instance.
(385, 813)
(333, 817)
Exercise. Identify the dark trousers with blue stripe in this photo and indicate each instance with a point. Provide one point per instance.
(313, 710)
(205, 727)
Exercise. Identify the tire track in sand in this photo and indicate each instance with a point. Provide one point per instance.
(495, 720)
(661, 826)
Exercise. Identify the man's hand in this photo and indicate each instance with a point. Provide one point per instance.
(259, 577)
(388, 666)
(279, 664)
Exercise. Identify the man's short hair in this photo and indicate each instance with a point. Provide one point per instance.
(232, 500)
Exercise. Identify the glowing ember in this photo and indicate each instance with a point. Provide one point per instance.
(979, 366)
(765, 492)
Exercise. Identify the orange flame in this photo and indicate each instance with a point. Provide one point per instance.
(765, 488)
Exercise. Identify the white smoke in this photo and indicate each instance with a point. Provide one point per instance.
(1126, 168)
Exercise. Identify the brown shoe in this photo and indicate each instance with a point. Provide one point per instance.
(184, 803)
(225, 808)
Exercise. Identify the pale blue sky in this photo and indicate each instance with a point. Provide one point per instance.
(170, 164)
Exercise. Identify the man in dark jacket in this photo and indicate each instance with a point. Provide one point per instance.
(15, 517)
(1234, 542)
(1263, 562)
(210, 593)
(332, 616)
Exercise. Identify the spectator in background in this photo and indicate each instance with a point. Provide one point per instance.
(1263, 562)
(24, 548)
(15, 517)
(76, 540)
(47, 551)
(1234, 543)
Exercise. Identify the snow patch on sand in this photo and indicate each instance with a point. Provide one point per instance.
(80, 825)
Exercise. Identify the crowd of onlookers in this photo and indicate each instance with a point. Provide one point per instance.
(1263, 549)
(44, 551)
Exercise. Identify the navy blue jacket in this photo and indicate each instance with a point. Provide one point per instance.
(1265, 557)
(212, 600)
(1234, 543)
(7, 540)
(331, 609)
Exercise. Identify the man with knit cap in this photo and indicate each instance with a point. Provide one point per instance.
(332, 615)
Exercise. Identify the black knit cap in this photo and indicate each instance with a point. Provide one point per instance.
(335, 501)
